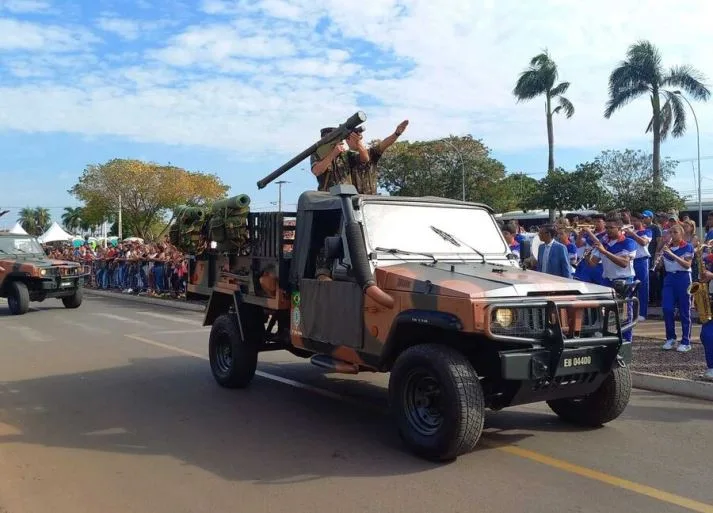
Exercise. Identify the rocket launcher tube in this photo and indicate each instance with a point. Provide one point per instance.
(341, 132)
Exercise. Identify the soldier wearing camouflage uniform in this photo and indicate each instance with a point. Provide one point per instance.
(365, 177)
(336, 165)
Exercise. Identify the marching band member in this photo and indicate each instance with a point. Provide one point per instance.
(616, 254)
(706, 275)
(593, 272)
(642, 236)
(509, 233)
(677, 257)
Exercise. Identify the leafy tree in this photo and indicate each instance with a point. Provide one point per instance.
(436, 168)
(518, 189)
(561, 190)
(642, 73)
(537, 80)
(628, 177)
(148, 191)
(35, 221)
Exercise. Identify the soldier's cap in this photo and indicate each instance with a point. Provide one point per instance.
(326, 130)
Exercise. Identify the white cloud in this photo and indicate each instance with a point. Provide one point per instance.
(16, 35)
(249, 83)
(25, 6)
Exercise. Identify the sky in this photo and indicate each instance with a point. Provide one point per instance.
(237, 87)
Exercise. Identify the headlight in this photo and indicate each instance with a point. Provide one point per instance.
(504, 317)
(43, 272)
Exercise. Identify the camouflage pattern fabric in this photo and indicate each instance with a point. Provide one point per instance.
(364, 176)
(339, 171)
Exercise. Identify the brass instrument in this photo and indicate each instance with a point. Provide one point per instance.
(699, 290)
(583, 227)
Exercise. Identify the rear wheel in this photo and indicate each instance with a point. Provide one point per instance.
(437, 400)
(233, 360)
(75, 300)
(18, 298)
(601, 406)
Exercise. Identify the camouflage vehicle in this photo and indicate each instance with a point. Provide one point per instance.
(27, 274)
(427, 290)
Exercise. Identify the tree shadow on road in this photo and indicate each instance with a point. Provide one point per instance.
(269, 433)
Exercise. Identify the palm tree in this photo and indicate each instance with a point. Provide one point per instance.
(72, 218)
(539, 79)
(642, 73)
(27, 220)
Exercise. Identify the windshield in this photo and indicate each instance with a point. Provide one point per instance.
(407, 227)
(20, 246)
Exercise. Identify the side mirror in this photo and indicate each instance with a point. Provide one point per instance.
(333, 247)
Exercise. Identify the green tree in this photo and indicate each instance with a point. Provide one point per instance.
(35, 221)
(537, 80)
(580, 189)
(518, 191)
(148, 192)
(628, 177)
(436, 168)
(642, 74)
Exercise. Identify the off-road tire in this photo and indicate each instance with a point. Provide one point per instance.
(601, 406)
(18, 298)
(461, 409)
(75, 300)
(236, 369)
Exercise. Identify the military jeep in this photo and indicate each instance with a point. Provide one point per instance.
(27, 274)
(426, 289)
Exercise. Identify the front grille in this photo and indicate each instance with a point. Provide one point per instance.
(531, 322)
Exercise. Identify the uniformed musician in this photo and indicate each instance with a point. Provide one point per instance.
(677, 257)
(509, 233)
(616, 254)
(642, 236)
(706, 276)
(589, 271)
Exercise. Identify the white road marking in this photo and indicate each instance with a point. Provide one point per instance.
(266, 375)
(181, 332)
(171, 318)
(82, 326)
(121, 318)
(28, 333)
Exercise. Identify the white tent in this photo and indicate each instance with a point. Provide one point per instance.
(53, 234)
(18, 230)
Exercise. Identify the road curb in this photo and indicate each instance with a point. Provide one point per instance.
(168, 303)
(673, 386)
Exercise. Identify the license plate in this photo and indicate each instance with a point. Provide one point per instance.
(577, 360)
(66, 284)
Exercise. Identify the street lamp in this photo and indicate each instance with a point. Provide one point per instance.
(279, 194)
(462, 165)
(698, 145)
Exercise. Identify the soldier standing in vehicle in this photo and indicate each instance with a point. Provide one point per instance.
(335, 165)
(365, 177)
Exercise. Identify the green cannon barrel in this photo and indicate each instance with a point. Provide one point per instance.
(241, 201)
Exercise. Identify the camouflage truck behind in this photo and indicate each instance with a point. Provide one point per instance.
(426, 290)
(28, 275)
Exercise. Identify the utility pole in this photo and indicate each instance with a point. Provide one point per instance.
(279, 194)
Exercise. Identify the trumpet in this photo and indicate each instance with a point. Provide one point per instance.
(627, 227)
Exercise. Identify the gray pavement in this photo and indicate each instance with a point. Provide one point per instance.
(112, 408)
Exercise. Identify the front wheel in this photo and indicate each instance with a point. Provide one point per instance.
(601, 406)
(18, 299)
(437, 401)
(75, 300)
(233, 360)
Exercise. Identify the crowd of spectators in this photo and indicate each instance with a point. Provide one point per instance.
(132, 267)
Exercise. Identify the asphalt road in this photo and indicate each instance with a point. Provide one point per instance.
(112, 408)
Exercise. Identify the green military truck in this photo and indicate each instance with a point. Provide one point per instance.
(427, 290)
(27, 275)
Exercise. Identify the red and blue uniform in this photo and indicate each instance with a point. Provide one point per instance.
(621, 246)
(676, 281)
(641, 268)
(515, 248)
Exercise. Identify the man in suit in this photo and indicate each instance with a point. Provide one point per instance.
(552, 257)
